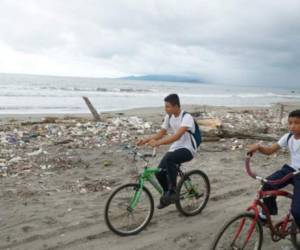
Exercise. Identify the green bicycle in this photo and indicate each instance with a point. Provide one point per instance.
(130, 207)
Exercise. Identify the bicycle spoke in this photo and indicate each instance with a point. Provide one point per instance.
(194, 193)
(124, 219)
(241, 233)
(295, 235)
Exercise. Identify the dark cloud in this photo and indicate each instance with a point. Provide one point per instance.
(234, 41)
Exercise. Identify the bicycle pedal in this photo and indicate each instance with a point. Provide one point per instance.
(199, 195)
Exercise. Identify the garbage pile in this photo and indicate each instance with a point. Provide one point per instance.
(252, 121)
(88, 185)
(51, 144)
(233, 128)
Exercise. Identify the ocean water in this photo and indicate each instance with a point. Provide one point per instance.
(29, 94)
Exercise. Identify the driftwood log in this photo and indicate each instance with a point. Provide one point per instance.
(245, 135)
(91, 108)
(239, 135)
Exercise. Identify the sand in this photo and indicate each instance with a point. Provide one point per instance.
(46, 210)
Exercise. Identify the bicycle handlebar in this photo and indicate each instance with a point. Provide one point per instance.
(134, 151)
(262, 179)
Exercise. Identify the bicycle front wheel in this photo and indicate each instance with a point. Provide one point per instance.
(241, 233)
(295, 236)
(124, 218)
(193, 190)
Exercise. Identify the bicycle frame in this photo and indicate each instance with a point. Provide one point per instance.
(147, 175)
(278, 231)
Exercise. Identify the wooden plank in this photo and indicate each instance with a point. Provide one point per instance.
(281, 110)
(91, 108)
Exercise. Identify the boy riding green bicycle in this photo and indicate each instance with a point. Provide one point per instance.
(183, 148)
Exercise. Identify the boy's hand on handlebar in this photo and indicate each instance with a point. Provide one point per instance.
(253, 149)
(141, 142)
(153, 143)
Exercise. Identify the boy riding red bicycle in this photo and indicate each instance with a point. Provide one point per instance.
(291, 141)
(245, 231)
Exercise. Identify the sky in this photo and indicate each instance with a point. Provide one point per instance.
(219, 41)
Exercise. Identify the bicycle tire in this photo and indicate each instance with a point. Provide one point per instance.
(217, 243)
(295, 236)
(133, 187)
(192, 196)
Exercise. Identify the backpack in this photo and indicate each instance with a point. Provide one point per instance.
(197, 135)
(289, 137)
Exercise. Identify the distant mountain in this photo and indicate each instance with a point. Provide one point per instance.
(164, 78)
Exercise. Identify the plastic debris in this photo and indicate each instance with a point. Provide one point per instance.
(50, 144)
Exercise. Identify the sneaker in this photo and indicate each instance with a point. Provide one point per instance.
(262, 218)
(162, 203)
(170, 196)
(167, 199)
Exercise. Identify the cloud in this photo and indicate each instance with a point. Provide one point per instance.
(234, 41)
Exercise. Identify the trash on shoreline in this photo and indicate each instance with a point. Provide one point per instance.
(27, 147)
(53, 141)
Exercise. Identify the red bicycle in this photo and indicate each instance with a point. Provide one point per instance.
(245, 230)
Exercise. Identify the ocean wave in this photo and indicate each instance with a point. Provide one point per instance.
(96, 89)
(128, 92)
(244, 95)
(38, 107)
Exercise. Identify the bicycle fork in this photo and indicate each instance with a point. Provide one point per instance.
(250, 230)
(249, 233)
(137, 195)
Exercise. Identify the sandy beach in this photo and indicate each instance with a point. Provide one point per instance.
(56, 174)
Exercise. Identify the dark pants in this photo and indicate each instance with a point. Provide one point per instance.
(168, 174)
(270, 202)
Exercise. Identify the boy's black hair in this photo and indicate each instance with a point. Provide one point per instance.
(173, 99)
(295, 113)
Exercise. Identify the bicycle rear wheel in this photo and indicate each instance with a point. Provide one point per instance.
(121, 217)
(193, 190)
(234, 234)
(295, 236)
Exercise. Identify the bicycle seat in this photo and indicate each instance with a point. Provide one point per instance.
(177, 167)
(147, 156)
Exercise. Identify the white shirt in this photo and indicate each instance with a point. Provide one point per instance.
(172, 124)
(294, 147)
